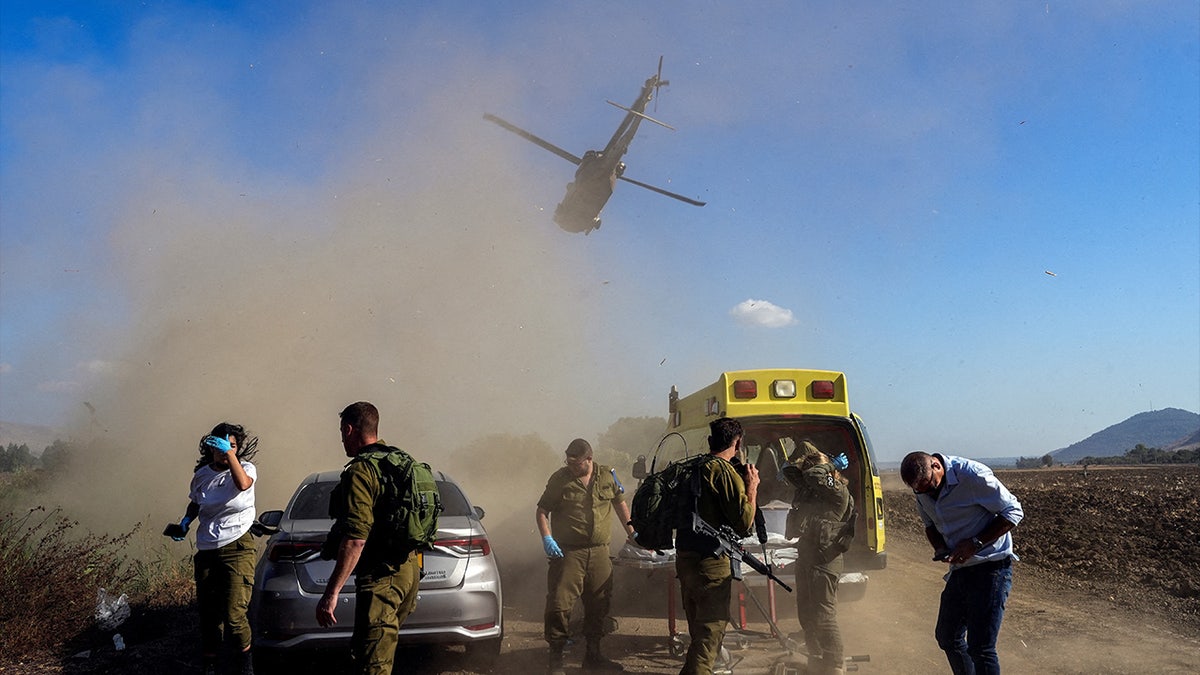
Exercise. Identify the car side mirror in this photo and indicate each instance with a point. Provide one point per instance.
(271, 518)
(639, 467)
(479, 513)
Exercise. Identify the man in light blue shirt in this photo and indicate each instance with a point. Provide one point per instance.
(968, 514)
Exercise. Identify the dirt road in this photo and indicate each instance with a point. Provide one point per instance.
(1046, 630)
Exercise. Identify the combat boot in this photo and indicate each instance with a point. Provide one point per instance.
(247, 663)
(594, 660)
(554, 659)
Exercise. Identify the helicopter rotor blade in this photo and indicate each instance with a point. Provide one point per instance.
(661, 191)
(544, 144)
(641, 115)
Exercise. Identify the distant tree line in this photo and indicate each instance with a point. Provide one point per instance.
(14, 458)
(1143, 455)
(1035, 462)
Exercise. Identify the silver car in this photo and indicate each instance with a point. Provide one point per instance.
(459, 600)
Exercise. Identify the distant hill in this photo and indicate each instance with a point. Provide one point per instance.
(37, 438)
(1166, 429)
(1190, 443)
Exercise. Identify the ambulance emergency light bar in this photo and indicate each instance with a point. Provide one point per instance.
(748, 389)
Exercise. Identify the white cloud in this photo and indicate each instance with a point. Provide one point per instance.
(762, 313)
(97, 367)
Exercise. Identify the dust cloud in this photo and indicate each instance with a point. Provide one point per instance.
(414, 272)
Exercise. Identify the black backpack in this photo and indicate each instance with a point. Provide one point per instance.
(660, 501)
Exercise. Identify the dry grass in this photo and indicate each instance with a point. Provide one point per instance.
(52, 573)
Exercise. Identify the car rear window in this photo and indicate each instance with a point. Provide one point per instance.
(313, 501)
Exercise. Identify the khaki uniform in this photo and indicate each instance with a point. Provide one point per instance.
(705, 579)
(386, 581)
(818, 509)
(224, 581)
(579, 522)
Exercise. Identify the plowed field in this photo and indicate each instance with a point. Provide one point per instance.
(1127, 534)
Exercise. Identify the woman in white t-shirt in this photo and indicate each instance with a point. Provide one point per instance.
(222, 505)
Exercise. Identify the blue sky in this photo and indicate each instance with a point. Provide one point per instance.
(987, 216)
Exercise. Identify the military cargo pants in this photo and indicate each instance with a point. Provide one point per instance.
(224, 579)
(582, 573)
(816, 607)
(380, 607)
(705, 585)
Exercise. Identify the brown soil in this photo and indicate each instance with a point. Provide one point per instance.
(1108, 583)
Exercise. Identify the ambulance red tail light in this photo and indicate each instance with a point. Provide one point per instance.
(745, 389)
(822, 389)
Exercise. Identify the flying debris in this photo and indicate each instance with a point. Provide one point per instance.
(599, 170)
(1051, 273)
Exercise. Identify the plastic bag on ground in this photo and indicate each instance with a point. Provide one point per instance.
(111, 612)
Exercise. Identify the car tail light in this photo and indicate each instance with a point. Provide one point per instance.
(465, 547)
(745, 389)
(822, 389)
(293, 550)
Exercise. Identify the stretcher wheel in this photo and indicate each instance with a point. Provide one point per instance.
(676, 645)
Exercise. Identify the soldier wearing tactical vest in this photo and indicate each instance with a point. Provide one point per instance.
(819, 509)
(386, 577)
(573, 517)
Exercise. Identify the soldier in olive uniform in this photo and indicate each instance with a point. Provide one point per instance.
(705, 576)
(386, 579)
(819, 510)
(573, 518)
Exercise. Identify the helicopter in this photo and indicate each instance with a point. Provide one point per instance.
(599, 170)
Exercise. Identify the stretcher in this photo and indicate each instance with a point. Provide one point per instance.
(661, 564)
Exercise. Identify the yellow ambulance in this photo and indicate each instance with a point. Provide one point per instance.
(779, 409)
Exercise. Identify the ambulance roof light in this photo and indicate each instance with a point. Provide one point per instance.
(822, 389)
(745, 389)
(783, 389)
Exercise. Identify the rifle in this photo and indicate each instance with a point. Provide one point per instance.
(728, 543)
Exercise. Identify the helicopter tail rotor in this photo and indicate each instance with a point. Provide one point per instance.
(658, 82)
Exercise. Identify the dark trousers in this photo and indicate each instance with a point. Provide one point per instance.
(582, 573)
(969, 618)
(224, 579)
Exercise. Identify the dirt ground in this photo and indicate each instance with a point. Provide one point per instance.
(1108, 583)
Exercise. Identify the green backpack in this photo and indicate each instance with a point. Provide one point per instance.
(411, 500)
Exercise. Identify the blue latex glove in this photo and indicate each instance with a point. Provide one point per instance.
(617, 480)
(551, 546)
(183, 523)
(840, 462)
(217, 443)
